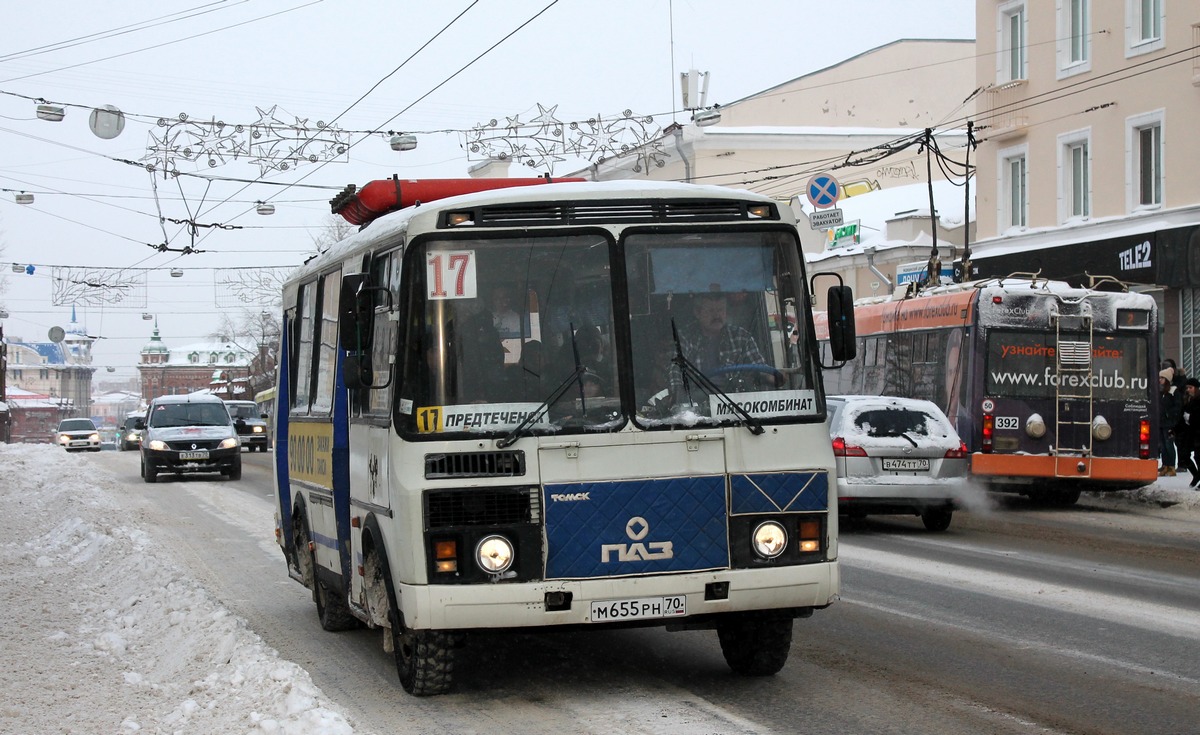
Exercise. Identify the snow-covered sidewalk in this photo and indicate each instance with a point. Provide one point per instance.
(104, 633)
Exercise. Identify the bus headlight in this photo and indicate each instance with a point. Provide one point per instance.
(1101, 429)
(1035, 426)
(494, 554)
(769, 540)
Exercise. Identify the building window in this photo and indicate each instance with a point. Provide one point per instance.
(194, 357)
(1075, 174)
(1189, 330)
(1014, 197)
(1144, 160)
(1074, 38)
(1011, 29)
(1144, 23)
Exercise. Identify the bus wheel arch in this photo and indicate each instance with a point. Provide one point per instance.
(424, 658)
(378, 594)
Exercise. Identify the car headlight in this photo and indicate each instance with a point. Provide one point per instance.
(94, 438)
(258, 429)
(229, 443)
(494, 554)
(769, 539)
(157, 445)
(63, 438)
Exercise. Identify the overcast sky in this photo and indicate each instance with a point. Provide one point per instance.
(300, 62)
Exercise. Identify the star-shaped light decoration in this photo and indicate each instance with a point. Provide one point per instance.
(547, 140)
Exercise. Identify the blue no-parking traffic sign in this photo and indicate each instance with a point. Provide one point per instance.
(823, 191)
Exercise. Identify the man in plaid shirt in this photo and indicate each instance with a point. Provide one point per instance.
(714, 344)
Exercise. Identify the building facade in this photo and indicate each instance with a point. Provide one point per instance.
(1086, 165)
(220, 367)
(844, 121)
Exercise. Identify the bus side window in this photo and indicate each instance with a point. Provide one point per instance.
(303, 347)
(326, 343)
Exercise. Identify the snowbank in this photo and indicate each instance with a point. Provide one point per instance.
(104, 633)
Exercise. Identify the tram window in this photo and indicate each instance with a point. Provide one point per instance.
(919, 343)
(304, 348)
(322, 399)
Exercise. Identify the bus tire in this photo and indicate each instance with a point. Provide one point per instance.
(755, 644)
(332, 610)
(424, 658)
(937, 519)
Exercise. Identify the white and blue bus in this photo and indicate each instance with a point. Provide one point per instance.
(564, 404)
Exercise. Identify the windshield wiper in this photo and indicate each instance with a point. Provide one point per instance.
(557, 393)
(686, 368)
(543, 407)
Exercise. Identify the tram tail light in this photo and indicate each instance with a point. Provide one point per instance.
(842, 449)
(1144, 439)
(959, 453)
(989, 427)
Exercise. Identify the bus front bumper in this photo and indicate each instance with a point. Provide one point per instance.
(529, 605)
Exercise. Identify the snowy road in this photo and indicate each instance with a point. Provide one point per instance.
(141, 606)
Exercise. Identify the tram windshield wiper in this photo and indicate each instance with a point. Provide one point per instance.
(686, 368)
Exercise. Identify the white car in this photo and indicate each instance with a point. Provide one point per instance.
(896, 456)
(78, 435)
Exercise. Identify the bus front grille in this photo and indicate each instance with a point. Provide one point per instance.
(474, 464)
(482, 507)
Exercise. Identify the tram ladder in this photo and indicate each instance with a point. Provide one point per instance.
(1073, 394)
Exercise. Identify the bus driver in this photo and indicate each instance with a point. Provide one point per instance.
(711, 343)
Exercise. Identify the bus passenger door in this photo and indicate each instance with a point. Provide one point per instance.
(370, 491)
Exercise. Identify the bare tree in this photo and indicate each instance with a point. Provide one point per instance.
(256, 333)
(335, 229)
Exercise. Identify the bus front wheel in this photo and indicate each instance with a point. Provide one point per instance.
(755, 644)
(424, 658)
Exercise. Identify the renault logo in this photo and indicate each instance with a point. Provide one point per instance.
(193, 445)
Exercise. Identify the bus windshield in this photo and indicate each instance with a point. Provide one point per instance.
(523, 331)
(1026, 365)
(714, 327)
(508, 327)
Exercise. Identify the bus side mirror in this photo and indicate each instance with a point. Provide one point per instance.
(356, 313)
(842, 344)
(357, 372)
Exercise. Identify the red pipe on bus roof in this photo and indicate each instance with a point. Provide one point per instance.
(360, 206)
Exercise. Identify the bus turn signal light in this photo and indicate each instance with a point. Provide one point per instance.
(1144, 439)
(989, 426)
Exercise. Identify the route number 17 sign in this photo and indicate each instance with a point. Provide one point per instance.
(450, 274)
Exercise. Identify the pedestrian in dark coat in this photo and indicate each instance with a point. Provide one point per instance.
(1187, 431)
(1170, 407)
